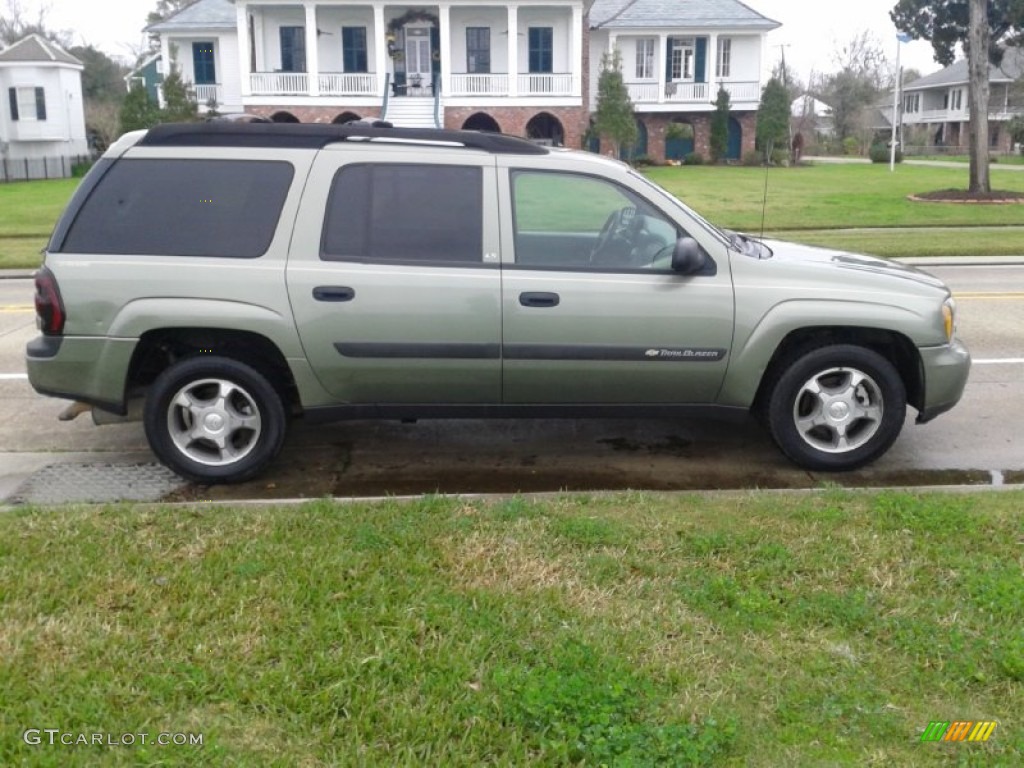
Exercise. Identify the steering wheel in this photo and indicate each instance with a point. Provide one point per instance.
(616, 222)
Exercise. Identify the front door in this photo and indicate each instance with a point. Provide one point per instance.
(592, 312)
(418, 59)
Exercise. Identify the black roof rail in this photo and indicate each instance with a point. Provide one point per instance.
(317, 136)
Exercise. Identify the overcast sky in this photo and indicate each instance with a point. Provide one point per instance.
(812, 29)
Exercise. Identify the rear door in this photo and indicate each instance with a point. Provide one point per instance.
(393, 275)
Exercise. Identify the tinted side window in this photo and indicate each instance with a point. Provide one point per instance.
(570, 221)
(183, 208)
(403, 213)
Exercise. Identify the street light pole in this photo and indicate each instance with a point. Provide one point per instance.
(898, 87)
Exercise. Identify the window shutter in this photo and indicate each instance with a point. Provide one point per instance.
(700, 65)
(534, 43)
(12, 93)
(668, 60)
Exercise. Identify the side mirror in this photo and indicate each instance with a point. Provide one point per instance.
(687, 257)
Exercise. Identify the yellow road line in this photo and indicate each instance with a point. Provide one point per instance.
(990, 296)
(18, 308)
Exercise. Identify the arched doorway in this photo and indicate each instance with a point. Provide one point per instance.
(345, 117)
(679, 139)
(481, 122)
(545, 128)
(284, 117)
(734, 148)
(629, 153)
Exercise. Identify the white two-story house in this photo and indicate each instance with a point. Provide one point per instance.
(42, 118)
(516, 66)
(939, 103)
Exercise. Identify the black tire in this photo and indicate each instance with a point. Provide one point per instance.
(243, 427)
(860, 402)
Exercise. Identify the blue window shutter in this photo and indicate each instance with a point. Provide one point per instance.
(700, 65)
(541, 59)
(203, 68)
(668, 60)
(12, 94)
(40, 104)
(534, 63)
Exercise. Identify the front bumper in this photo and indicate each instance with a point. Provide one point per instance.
(945, 375)
(86, 368)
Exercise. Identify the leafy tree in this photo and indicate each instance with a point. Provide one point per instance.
(614, 116)
(720, 126)
(862, 75)
(179, 103)
(984, 29)
(102, 78)
(138, 111)
(773, 116)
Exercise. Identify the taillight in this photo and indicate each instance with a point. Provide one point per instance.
(49, 305)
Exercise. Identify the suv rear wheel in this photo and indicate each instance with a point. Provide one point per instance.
(837, 407)
(214, 420)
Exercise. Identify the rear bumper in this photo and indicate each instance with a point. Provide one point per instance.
(945, 375)
(90, 369)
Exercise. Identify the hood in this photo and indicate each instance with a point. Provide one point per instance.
(811, 255)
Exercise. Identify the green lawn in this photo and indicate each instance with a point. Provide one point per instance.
(28, 211)
(752, 629)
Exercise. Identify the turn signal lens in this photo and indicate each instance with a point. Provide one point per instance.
(949, 318)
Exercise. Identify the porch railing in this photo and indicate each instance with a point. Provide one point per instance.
(545, 84)
(204, 93)
(348, 84)
(643, 93)
(279, 83)
(479, 85)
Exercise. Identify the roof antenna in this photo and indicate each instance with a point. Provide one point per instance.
(764, 198)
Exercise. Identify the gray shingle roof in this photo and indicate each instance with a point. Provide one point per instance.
(675, 14)
(203, 14)
(1011, 68)
(36, 48)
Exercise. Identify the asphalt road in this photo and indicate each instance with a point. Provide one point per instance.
(977, 442)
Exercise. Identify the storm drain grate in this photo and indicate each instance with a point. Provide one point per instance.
(97, 483)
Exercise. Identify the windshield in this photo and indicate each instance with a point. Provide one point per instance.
(707, 225)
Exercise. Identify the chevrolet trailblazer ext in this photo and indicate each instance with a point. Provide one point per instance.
(232, 276)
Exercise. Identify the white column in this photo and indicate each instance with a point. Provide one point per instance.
(242, 24)
(662, 64)
(312, 50)
(513, 51)
(380, 47)
(445, 41)
(165, 57)
(576, 51)
(613, 40)
(711, 66)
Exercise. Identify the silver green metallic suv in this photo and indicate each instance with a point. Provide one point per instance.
(229, 277)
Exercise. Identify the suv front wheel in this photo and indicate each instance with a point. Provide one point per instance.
(214, 420)
(837, 407)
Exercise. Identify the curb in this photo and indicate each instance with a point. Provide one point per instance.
(17, 274)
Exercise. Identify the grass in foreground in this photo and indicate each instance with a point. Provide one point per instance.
(753, 630)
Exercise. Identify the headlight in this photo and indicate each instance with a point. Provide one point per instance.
(949, 318)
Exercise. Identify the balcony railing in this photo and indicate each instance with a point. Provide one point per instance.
(479, 85)
(686, 92)
(743, 91)
(643, 93)
(545, 84)
(279, 83)
(348, 84)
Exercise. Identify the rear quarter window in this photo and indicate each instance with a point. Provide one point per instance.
(226, 208)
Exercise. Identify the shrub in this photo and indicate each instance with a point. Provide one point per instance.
(694, 158)
(79, 169)
(752, 158)
(780, 157)
(851, 146)
(879, 153)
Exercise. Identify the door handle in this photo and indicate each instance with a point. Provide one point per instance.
(334, 293)
(539, 299)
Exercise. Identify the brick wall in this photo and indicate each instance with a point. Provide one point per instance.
(315, 114)
(513, 120)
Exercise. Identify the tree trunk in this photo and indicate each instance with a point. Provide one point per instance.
(977, 96)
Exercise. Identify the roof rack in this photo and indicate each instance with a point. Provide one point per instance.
(317, 136)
